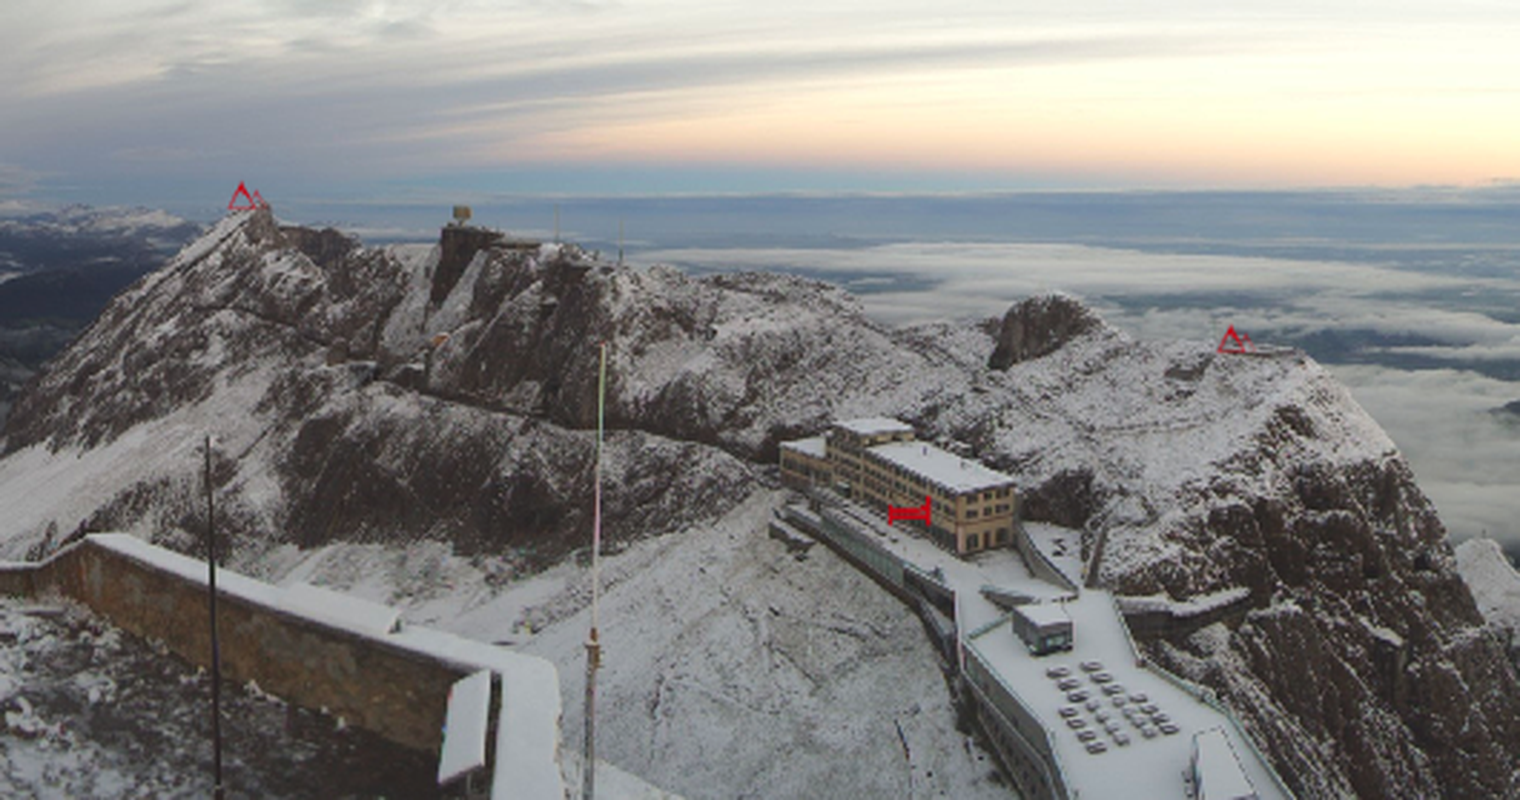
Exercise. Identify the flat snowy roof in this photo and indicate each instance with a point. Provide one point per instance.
(812, 446)
(940, 466)
(867, 426)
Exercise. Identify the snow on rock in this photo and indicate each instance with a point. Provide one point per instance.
(1192, 607)
(1493, 580)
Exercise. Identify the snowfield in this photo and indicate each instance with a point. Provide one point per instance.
(1495, 583)
(731, 667)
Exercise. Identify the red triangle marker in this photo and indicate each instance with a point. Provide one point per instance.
(242, 191)
(1231, 336)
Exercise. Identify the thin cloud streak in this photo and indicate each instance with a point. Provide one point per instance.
(352, 90)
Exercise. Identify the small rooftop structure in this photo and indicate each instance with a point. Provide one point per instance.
(942, 467)
(1044, 627)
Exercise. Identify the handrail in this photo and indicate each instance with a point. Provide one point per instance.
(988, 626)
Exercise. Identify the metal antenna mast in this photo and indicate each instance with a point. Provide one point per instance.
(593, 645)
(216, 656)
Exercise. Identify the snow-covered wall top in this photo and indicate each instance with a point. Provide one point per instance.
(338, 661)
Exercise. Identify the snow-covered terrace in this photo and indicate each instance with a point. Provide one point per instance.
(1147, 767)
(999, 568)
(1062, 547)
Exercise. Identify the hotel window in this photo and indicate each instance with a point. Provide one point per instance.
(971, 514)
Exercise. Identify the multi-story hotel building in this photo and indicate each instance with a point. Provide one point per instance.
(879, 462)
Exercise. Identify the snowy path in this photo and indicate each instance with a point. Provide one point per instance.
(92, 712)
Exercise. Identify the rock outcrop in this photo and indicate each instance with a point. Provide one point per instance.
(1039, 326)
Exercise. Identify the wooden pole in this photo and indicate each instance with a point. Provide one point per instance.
(216, 656)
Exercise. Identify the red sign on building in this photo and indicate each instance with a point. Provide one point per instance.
(920, 512)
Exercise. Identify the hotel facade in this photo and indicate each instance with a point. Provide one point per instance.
(879, 462)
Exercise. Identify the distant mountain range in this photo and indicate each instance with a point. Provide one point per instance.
(59, 268)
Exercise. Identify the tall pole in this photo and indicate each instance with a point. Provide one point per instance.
(593, 645)
(620, 242)
(216, 656)
(556, 223)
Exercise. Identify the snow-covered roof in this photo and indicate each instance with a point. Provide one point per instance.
(812, 446)
(869, 426)
(940, 466)
(1043, 614)
(1218, 769)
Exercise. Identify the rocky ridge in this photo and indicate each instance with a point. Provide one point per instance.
(351, 405)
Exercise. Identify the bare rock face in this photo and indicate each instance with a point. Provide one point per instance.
(1038, 327)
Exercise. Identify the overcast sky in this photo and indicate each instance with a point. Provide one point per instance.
(157, 101)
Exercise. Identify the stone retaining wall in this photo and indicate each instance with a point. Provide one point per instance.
(390, 690)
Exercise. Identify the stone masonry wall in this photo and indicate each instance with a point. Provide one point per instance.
(394, 692)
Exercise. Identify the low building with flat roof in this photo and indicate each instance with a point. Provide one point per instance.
(878, 461)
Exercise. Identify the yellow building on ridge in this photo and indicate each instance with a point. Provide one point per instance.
(878, 461)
